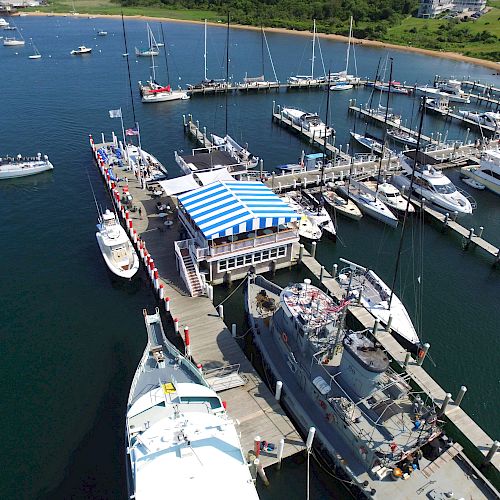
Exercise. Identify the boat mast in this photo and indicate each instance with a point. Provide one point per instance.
(165, 49)
(313, 43)
(150, 43)
(385, 131)
(205, 53)
(227, 66)
(262, 47)
(348, 48)
(417, 151)
(128, 69)
(322, 183)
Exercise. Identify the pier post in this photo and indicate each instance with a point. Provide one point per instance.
(301, 252)
(480, 234)
(422, 353)
(184, 121)
(261, 167)
(455, 215)
(446, 218)
(161, 291)
(279, 387)
(446, 400)
(233, 330)
(375, 327)
(220, 310)
(262, 472)
(187, 341)
(176, 325)
(334, 270)
(360, 295)
(274, 106)
(466, 136)
(281, 448)
(190, 118)
(204, 136)
(471, 234)
(389, 323)
(321, 274)
(407, 360)
(491, 453)
(167, 304)
(256, 446)
(460, 395)
(313, 249)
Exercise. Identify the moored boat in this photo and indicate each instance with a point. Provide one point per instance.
(116, 248)
(81, 50)
(176, 423)
(310, 122)
(23, 166)
(341, 205)
(390, 195)
(487, 173)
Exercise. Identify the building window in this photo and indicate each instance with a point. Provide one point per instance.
(252, 258)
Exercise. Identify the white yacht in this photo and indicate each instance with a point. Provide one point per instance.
(440, 105)
(372, 144)
(488, 118)
(116, 248)
(13, 42)
(402, 136)
(81, 50)
(310, 122)
(341, 205)
(3, 23)
(368, 202)
(390, 195)
(339, 86)
(435, 187)
(308, 228)
(151, 167)
(450, 89)
(375, 296)
(180, 441)
(238, 152)
(21, 166)
(488, 171)
(153, 92)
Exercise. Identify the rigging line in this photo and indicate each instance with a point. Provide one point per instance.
(128, 68)
(231, 294)
(321, 57)
(270, 58)
(165, 50)
(370, 100)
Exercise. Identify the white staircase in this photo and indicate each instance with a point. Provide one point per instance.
(188, 268)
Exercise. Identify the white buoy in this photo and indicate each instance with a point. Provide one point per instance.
(279, 387)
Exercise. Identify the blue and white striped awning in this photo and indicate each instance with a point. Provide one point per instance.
(227, 208)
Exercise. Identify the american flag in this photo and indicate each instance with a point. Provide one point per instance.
(131, 131)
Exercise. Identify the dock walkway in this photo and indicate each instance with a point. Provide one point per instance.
(212, 344)
(455, 415)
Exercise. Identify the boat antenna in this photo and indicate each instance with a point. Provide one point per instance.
(128, 68)
(227, 65)
(322, 183)
(417, 151)
(385, 131)
(165, 48)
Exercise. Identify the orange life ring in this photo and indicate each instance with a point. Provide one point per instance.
(284, 336)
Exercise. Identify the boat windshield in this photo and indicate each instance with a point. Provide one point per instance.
(445, 188)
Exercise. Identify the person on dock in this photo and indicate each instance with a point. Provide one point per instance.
(140, 213)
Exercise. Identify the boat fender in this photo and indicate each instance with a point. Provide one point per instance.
(284, 336)
(322, 404)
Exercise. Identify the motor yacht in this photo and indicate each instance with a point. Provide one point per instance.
(489, 118)
(488, 171)
(81, 50)
(20, 166)
(390, 195)
(311, 122)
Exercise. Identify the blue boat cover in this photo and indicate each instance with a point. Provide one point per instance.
(225, 208)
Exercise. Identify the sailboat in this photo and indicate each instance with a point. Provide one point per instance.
(36, 54)
(342, 80)
(308, 79)
(151, 91)
(10, 41)
(152, 49)
(257, 82)
(207, 83)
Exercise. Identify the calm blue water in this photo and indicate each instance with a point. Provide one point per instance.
(71, 336)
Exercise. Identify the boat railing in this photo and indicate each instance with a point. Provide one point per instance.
(140, 369)
(470, 198)
(259, 280)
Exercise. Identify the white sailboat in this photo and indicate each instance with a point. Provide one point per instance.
(309, 79)
(258, 82)
(152, 50)
(151, 91)
(341, 205)
(364, 285)
(36, 53)
(367, 201)
(343, 80)
(372, 144)
(13, 41)
(176, 424)
(308, 227)
(116, 248)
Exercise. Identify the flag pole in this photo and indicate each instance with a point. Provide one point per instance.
(141, 177)
(123, 130)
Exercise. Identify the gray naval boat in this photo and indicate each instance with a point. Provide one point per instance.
(374, 432)
(180, 441)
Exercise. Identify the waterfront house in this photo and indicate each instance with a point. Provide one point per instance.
(233, 226)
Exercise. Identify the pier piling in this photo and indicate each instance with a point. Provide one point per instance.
(375, 327)
(446, 400)
(313, 249)
(389, 323)
(422, 353)
(491, 453)
(279, 387)
(301, 252)
(460, 395)
(233, 330)
(407, 359)
(220, 310)
(281, 447)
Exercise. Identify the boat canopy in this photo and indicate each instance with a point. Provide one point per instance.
(227, 208)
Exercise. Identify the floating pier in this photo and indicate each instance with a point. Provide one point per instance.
(211, 345)
(455, 416)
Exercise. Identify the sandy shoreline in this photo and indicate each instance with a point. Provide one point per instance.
(367, 43)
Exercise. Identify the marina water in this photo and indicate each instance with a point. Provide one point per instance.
(72, 336)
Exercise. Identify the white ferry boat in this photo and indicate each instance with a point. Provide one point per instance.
(180, 441)
(21, 166)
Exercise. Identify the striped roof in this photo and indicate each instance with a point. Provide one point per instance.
(233, 207)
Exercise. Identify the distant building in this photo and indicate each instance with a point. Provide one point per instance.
(432, 8)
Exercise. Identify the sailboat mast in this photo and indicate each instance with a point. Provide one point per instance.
(128, 68)
(150, 44)
(313, 43)
(348, 48)
(165, 48)
(417, 151)
(227, 66)
(385, 130)
(262, 47)
(322, 183)
(205, 53)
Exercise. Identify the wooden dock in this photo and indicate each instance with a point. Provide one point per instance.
(212, 345)
(454, 414)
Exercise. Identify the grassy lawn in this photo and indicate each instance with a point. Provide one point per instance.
(434, 34)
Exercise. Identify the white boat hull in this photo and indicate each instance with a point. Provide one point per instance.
(127, 273)
(489, 184)
(175, 95)
(12, 173)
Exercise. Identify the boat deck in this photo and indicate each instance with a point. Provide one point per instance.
(212, 345)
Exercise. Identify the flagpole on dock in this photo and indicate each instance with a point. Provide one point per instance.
(123, 130)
